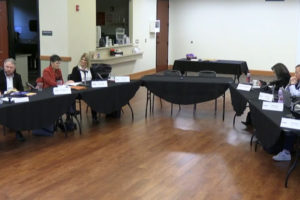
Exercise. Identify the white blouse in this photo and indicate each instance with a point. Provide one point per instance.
(85, 73)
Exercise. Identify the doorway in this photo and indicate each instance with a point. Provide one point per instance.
(23, 37)
(3, 32)
(162, 38)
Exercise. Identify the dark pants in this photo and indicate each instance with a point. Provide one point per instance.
(289, 141)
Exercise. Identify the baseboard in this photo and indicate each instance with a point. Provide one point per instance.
(139, 75)
(63, 58)
(265, 73)
(153, 71)
(261, 73)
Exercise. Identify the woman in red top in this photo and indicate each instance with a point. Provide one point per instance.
(52, 74)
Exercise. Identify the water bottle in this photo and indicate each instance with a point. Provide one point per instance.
(248, 78)
(280, 95)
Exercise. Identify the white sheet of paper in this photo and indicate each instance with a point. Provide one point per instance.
(273, 106)
(99, 84)
(74, 84)
(265, 96)
(290, 123)
(5, 99)
(61, 90)
(243, 87)
(20, 99)
(122, 79)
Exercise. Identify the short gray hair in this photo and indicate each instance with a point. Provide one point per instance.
(11, 60)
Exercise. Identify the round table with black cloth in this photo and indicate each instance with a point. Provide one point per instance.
(41, 111)
(186, 90)
(111, 98)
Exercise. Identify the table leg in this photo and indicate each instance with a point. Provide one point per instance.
(147, 99)
(223, 106)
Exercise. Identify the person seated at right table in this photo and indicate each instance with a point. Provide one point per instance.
(294, 86)
(82, 72)
(289, 139)
(282, 80)
(282, 76)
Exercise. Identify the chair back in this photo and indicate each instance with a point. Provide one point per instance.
(207, 73)
(172, 73)
(100, 71)
(70, 77)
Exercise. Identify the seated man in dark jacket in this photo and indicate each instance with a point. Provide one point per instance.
(9, 80)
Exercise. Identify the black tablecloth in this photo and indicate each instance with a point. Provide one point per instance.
(266, 123)
(45, 108)
(186, 90)
(41, 111)
(240, 98)
(219, 66)
(111, 98)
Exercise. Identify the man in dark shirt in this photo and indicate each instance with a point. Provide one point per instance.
(9, 80)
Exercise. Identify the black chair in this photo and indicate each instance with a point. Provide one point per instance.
(100, 71)
(172, 73)
(207, 74)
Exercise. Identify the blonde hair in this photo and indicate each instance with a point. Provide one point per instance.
(86, 56)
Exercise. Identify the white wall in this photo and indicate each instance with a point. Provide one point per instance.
(75, 32)
(142, 13)
(82, 29)
(259, 32)
(53, 16)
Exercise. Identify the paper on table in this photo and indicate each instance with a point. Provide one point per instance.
(74, 84)
(16, 100)
(265, 96)
(243, 87)
(290, 123)
(273, 106)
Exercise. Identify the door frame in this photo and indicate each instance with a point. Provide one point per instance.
(167, 49)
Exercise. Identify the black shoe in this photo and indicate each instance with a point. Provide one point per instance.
(246, 123)
(20, 136)
(95, 120)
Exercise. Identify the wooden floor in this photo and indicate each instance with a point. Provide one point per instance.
(162, 157)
